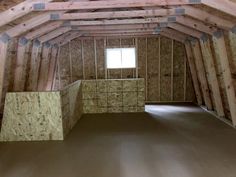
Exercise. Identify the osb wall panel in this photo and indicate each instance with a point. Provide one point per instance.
(166, 55)
(113, 96)
(153, 65)
(179, 67)
(64, 67)
(76, 60)
(153, 69)
(100, 48)
(89, 62)
(32, 116)
(72, 106)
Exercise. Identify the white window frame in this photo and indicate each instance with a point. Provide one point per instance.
(135, 55)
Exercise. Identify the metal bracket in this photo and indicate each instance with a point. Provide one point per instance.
(47, 44)
(171, 19)
(233, 30)
(5, 38)
(39, 6)
(204, 37)
(66, 24)
(37, 43)
(179, 11)
(195, 1)
(218, 34)
(23, 40)
(54, 16)
(163, 24)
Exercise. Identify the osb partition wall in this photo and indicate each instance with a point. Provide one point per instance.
(32, 116)
(113, 96)
(160, 61)
(72, 106)
(37, 116)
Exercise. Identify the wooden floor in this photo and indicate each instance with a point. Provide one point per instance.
(168, 141)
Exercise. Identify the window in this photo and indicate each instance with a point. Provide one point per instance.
(120, 58)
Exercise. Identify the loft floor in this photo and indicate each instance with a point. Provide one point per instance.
(168, 141)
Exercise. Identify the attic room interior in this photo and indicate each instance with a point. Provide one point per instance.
(121, 88)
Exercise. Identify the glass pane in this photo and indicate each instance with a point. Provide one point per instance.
(114, 58)
(128, 58)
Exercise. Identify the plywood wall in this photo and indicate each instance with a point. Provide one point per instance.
(160, 61)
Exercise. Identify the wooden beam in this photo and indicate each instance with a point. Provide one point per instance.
(172, 36)
(188, 31)
(195, 24)
(201, 72)
(21, 65)
(44, 67)
(232, 40)
(221, 52)
(209, 18)
(43, 30)
(225, 6)
(54, 34)
(3, 57)
(115, 27)
(120, 14)
(18, 11)
(52, 68)
(210, 68)
(125, 21)
(90, 5)
(34, 66)
(28, 25)
(193, 72)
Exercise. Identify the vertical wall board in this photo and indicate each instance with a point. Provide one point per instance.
(165, 69)
(190, 93)
(153, 62)
(89, 62)
(8, 70)
(152, 72)
(221, 53)
(178, 73)
(100, 58)
(142, 59)
(231, 46)
(113, 73)
(9, 67)
(64, 63)
(28, 54)
(201, 73)
(127, 42)
(212, 77)
(77, 63)
(221, 82)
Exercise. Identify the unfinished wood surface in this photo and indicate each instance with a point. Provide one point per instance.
(221, 52)
(193, 71)
(152, 56)
(113, 96)
(210, 68)
(201, 73)
(44, 67)
(166, 50)
(52, 69)
(152, 72)
(32, 116)
(179, 71)
(32, 81)
(3, 51)
(21, 66)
